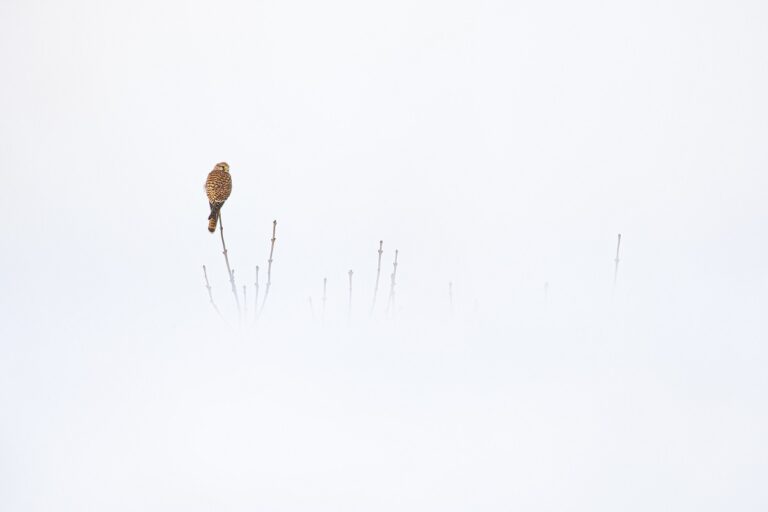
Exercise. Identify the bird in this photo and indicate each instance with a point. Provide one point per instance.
(218, 186)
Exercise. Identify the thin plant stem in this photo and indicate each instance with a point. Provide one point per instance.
(378, 274)
(269, 267)
(325, 298)
(230, 272)
(210, 295)
(392, 283)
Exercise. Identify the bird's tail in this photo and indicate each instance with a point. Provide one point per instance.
(213, 218)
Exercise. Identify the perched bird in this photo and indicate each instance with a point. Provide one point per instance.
(218, 186)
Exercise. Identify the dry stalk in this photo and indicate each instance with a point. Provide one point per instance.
(269, 267)
(230, 272)
(392, 283)
(325, 297)
(378, 274)
(210, 295)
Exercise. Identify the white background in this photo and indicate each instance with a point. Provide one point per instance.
(498, 145)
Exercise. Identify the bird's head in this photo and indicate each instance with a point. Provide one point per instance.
(222, 166)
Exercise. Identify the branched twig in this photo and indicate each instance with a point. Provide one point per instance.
(392, 282)
(230, 272)
(210, 295)
(378, 273)
(269, 266)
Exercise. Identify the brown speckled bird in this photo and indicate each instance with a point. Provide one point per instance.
(218, 186)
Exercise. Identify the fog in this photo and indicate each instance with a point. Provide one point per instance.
(500, 147)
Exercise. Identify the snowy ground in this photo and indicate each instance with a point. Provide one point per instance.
(542, 413)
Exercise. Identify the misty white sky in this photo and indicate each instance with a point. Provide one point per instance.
(498, 145)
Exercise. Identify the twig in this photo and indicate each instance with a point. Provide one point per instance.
(245, 301)
(210, 295)
(230, 272)
(392, 283)
(325, 284)
(378, 274)
(349, 309)
(269, 266)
